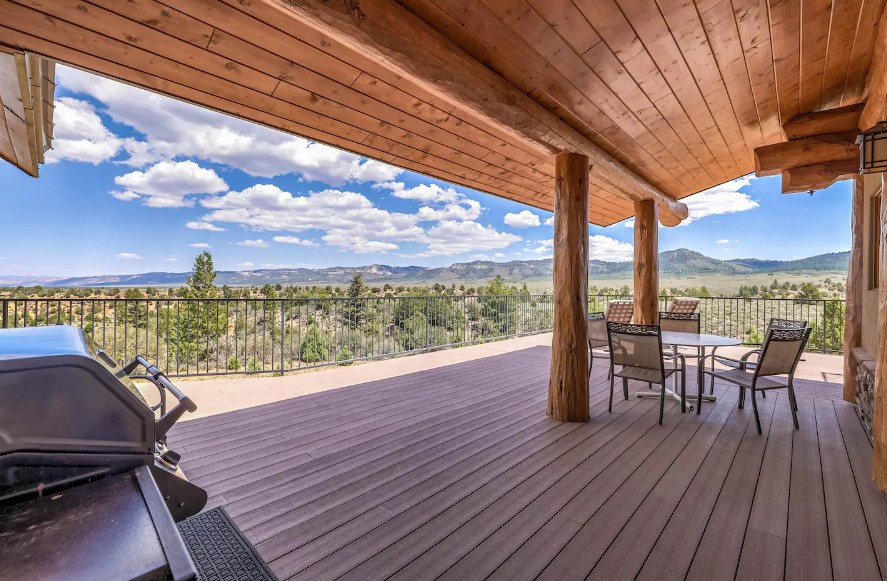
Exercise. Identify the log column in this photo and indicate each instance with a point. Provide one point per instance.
(568, 386)
(646, 263)
(853, 308)
(879, 422)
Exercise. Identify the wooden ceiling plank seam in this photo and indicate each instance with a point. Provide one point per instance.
(626, 145)
(536, 167)
(92, 16)
(728, 75)
(558, 53)
(329, 63)
(608, 68)
(28, 159)
(753, 22)
(650, 27)
(443, 160)
(671, 108)
(842, 32)
(731, 110)
(36, 95)
(103, 46)
(47, 96)
(348, 146)
(861, 53)
(816, 19)
(282, 69)
(168, 19)
(876, 83)
(616, 31)
(686, 26)
(431, 11)
(785, 35)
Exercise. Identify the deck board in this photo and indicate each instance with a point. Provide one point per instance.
(456, 473)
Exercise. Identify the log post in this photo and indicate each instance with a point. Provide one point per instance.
(568, 386)
(646, 263)
(853, 308)
(879, 421)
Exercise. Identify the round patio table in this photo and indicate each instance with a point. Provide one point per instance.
(701, 342)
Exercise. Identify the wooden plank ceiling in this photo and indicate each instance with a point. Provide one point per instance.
(680, 92)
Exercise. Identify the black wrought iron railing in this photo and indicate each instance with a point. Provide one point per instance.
(227, 336)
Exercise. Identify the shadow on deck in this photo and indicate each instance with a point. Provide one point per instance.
(457, 472)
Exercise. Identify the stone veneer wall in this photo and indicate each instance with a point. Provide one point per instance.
(865, 397)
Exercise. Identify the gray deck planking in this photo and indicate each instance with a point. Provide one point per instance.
(457, 473)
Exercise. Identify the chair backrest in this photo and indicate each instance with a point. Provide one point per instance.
(683, 322)
(786, 324)
(597, 330)
(683, 305)
(620, 311)
(781, 351)
(637, 346)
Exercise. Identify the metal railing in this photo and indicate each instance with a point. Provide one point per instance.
(228, 336)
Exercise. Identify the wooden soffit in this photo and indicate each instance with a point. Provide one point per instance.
(666, 97)
(27, 88)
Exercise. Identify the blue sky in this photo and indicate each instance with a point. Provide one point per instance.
(138, 182)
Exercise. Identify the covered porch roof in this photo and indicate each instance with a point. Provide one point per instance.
(665, 98)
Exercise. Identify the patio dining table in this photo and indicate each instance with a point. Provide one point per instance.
(701, 342)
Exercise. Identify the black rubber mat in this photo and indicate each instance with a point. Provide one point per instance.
(219, 549)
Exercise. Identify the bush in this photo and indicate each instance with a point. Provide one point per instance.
(233, 364)
(315, 347)
(344, 356)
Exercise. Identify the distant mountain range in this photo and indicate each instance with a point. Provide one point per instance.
(680, 262)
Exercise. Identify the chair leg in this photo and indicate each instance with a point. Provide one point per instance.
(794, 405)
(683, 392)
(711, 385)
(699, 392)
(612, 385)
(662, 405)
(763, 394)
(590, 363)
(741, 397)
(625, 387)
(754, 405)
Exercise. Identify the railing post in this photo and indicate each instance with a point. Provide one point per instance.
(4, 321)
(427, 342)
(507, 316)
(282, 335)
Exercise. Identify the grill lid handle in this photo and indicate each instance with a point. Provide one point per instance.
(158, 378)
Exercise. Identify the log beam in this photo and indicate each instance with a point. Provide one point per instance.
(646, 263)
(405, 44)
(853, 307)
(568, 385)
(835, 120)
(879, 423)
(773, 159)
(876, 83)
(819, 176)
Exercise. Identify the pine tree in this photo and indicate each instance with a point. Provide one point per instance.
(201, 283)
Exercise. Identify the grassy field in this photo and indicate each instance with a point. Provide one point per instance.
(726, 285)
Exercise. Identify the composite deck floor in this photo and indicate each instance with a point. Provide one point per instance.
(457, 473)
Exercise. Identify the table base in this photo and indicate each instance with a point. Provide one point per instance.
(691, 399)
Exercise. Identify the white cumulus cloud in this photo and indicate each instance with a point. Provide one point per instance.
(172, 129)
(80, 135)
(549, 221)
(523, 219)
(258, 243)
(167, 183)
(723, 199)
(451, 237)
(723, 241)
(602, 247)
(195, 225)
(129, 256)
(199, 245)
(294, 240)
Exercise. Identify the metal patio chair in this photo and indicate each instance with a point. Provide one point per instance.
(779, 357)
(637, 349)
(620, 311)
(686, 305)
(598, 344)
(745, 363)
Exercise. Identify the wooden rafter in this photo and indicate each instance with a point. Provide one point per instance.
(25, 116)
